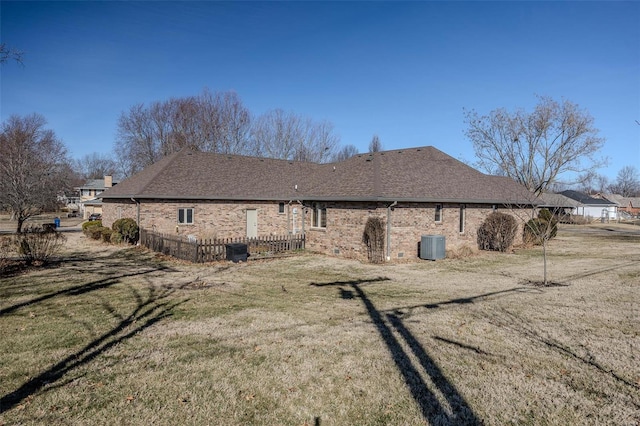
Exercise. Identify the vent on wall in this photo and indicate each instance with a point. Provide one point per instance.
(432, 247)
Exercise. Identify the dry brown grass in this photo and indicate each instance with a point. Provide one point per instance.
(121, 336)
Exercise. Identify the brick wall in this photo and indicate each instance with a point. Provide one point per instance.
(212, 219)
(409, 221)
(343, 235)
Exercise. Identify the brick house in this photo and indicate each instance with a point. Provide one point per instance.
(416, 191)
(630, 205)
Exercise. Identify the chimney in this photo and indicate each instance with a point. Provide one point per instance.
(108, 181)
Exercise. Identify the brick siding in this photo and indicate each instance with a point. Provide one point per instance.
(212, 219)
(343, 235)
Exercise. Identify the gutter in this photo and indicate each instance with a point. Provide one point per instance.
(389, 208)
(488, 201)
(137, 217)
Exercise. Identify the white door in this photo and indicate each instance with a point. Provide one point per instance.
(252, 223)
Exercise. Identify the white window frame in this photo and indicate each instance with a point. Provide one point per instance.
(319, 216)
(185, 214)
(462, 219)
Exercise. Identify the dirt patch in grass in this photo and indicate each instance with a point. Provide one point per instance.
(118, 335)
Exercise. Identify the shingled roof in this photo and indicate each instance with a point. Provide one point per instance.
(417, 174)
(586, 199)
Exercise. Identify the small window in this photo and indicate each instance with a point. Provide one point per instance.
(438, 215)
(462, 218)
(319, 216)
(281, 208)
(185, 216)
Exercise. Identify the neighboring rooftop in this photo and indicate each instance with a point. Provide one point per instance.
(624, 201)
(97, 184)
(585, 199)
(557, 201)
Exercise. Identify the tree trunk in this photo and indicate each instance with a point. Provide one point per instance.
(20, 223)
(544, 258)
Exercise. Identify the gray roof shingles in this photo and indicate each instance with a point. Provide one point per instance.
(586, 199)
(415, 174)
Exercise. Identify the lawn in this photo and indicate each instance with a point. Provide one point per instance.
(113, 335)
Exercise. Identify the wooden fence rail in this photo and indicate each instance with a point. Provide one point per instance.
(208, 250)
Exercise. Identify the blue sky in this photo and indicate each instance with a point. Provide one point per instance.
(401, 70)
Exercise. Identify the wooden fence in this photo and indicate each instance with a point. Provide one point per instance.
(208, 250)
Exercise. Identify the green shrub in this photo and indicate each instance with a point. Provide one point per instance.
(128, 228)
(546, 215)
(38, 245)
(91, 224)
(537, 230)
(105, 233)
(116, 238)
(534, 231)
(497, 232)
(94, 232)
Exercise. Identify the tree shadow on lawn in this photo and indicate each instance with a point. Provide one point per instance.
(392, 330)
(465, 300)
(82, 288)
(511, 321)
(148, 311)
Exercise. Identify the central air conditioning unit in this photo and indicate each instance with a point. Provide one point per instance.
(237, 252)
(432, 247)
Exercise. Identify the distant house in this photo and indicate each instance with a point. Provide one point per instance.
(591, 207)
(90, 191)
(417, 191)
(558, 204)
(630, 205)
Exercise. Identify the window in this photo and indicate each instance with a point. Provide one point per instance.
(185, 216)
(462, 218)
(281, 208)
(438, 216)
(319, 219)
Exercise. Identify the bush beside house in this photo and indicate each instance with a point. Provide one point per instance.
(122, 230)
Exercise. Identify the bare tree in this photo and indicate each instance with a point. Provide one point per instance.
(535, 148)
(34, 167)
(375, 145)
(539, 226)
(228, 124)
(214, 122)
(96, 166)
(627, 182)
(8, 53)
(344, 153)
(285, 135)
(217, 122)
(592, 183)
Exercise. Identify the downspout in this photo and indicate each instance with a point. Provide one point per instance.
(291, 226)
(137, 217)
(389, 229)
